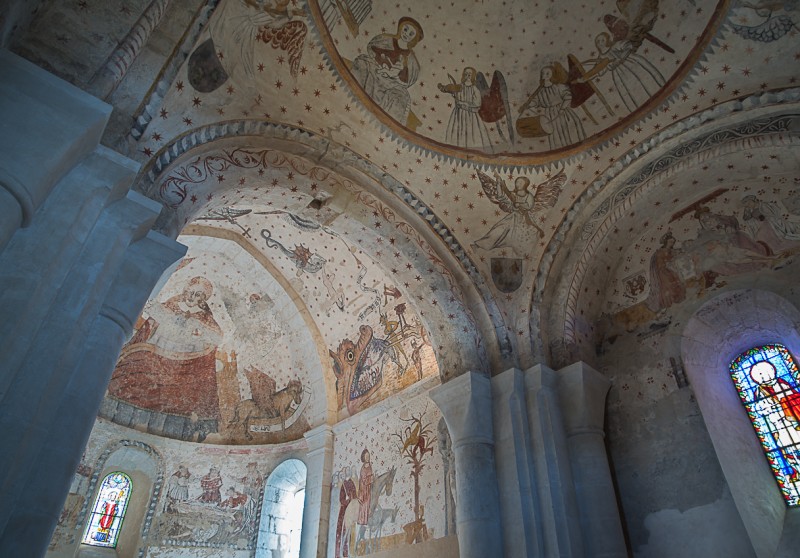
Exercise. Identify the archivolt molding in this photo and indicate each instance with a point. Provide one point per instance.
(323, 159)
(158, 482)
(768, 119)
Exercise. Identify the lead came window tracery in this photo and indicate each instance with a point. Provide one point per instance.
(768, 383)
(108, 511)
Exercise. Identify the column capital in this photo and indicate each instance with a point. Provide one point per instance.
(583, 391)
(466, 404)
(540, 377)
(146, 259)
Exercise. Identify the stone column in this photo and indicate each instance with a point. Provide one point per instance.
(317, 507)
(144, 262)
(519, 501)
(466, 404)
(55, 332)
(560, 518)
(47, 126)
(583, 394)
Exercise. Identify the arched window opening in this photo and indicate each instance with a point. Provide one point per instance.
(108, 511)
(281, 524)
(768, 383)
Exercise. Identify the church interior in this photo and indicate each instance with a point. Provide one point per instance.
(452, 278)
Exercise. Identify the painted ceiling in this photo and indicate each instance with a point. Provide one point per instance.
(343, 142)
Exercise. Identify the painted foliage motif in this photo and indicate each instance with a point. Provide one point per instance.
(768, 383)
(381, 491)
(211, 359)
(603, 64)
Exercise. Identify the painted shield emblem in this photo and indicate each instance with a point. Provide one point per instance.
(507, 274)
(205, 70)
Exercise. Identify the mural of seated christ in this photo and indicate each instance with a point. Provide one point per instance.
(169, 365)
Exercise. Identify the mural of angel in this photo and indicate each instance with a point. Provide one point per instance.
(476, 103)
(773, 24)
(771, 223)
(635, 78)
(550, 111)
(244, 22)
(390, 67)
(520, 204)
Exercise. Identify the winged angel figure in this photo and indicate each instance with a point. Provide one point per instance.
(476, 104)
(520, 203)
(244, 22)
(777, 19)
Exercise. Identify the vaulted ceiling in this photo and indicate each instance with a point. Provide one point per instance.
(497, 175)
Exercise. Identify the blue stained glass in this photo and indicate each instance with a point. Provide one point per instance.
(768, 383)
(108, 511)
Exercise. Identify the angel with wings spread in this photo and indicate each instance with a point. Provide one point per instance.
(242, 23)
(520, 204)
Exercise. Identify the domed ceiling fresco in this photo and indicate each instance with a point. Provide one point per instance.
(451, 158)
(516, 81)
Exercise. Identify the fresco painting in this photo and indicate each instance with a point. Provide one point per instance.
(240, 27)
(388, 489)
(512, 233)
(705, 247)
(215, 332)
(211, 508)
(557, 95)
(389, 68)
(389, 349)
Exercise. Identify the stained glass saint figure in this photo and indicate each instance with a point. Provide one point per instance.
(769, 385)
(108, 511)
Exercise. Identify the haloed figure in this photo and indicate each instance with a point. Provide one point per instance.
(390, 67)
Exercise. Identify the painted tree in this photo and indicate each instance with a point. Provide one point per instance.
(416, 441)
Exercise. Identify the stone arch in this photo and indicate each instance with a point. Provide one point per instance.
(716, 333)
(769, 119)
(145, 466)
(282, 502)
(482, 320)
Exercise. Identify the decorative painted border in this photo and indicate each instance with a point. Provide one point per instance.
(511, 161)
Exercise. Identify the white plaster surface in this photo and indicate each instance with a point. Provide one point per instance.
(714, 529)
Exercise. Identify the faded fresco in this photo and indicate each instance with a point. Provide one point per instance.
(602, 64)
(674, 236)
(377, 341)
(702, 248)
(388, 489)
(206, 500)
(211, 358)
(391, 350)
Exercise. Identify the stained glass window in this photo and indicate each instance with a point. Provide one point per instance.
(108, 511)
(769, 385)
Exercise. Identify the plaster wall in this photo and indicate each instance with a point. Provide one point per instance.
(668, 475)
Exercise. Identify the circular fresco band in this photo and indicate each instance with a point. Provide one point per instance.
(541, 85)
